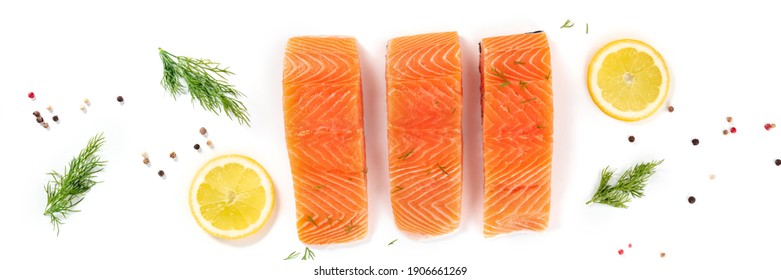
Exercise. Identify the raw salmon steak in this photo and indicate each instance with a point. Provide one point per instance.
(423, 78)
(323, 109)
(517, 108)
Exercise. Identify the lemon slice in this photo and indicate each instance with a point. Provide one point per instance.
(628, 80)
(231, 196)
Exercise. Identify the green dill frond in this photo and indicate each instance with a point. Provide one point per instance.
(66, 190)
(308, 254)
(292, 255)
(500, 75)
(206, 83)
(631, 184)
(567, 24)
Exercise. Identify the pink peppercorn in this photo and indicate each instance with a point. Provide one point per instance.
(733, 130)
(31, 95)
(621, 251)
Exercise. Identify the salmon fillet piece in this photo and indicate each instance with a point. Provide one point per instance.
(424, 91)
(517, 108)
(323, 108)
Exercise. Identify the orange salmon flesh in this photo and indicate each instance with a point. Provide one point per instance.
(517, 108)
(323, 108)
(423, 96)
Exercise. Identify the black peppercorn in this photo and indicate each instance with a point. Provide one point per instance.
(161, 173)
(197, 147)
(56, 118)
(39, 119)
(631, 139)
(695, 141)
(692, 200)
(37, 114)
(120, 99)
(778, 162)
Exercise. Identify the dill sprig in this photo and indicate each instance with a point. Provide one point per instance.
(349, 228)
(567, 24)
(405, 156)
(292, 256)
(522, 84)
(631, 184)
(311, 220)
(66, 190)
(442, 168)
(394, 241)
(528, 100)
(205, 81)
(501, 75)
(308, 254)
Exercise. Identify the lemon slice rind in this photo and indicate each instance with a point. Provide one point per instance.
(265, 181)
(596, 92)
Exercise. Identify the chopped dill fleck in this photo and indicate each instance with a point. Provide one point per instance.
(311, 220)
(443, 169)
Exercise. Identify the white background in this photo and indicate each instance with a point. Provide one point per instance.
(723, 60)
